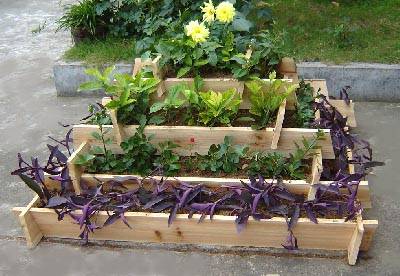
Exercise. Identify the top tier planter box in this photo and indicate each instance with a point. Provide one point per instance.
(287, 68)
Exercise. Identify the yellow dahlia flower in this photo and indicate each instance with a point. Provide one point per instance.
(197, 31)
(225, 12)
(208, 11)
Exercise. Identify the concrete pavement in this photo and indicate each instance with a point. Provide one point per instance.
(30, 112)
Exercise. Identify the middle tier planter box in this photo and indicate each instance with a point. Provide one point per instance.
(305, 186)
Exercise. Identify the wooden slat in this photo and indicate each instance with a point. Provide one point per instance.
(75, 171)
(137, 66)
(355, 242)
(278, 125)
(205, 136)
(318, 84)
(118, 129)
(349, 158)
(32, 231)
(300, 187)
(347, 110)
(316, 170)
(329, 234)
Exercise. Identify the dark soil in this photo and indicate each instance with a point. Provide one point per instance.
(189, 168)
(290, 119)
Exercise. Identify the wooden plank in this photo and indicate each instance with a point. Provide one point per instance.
(347, 110)
(278, 125)
(137, 66)
(75, 171)
(370, 227)
(153, 64)
(352, 169)
(32, 231)
(318, 84)
(300, 187)
(329, 234)
(287, 65)
(204, 137)
(117, 127)
(316, 170)
(355, 242)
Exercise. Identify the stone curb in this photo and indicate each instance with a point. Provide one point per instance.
(368, 82)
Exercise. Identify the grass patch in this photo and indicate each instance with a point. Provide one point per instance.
(355, 30)
(110, 50)
(316, 30)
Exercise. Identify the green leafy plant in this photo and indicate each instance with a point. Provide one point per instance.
(306, 150)
(266, 97)
(272, 164)
(139, 153)
(219, 108)
(172, 102)
(97, 115)
(167, 160)
(264, 52)
(222, 46)
(83, 21)
(224, 157)
(99, 158)
(305, 113)
(276, 165)
(130, 94)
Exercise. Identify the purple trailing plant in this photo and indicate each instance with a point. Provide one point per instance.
(33, 173)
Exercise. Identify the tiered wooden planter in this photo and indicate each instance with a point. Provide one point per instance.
(328, 234)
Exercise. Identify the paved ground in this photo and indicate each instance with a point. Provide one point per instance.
(30, 111)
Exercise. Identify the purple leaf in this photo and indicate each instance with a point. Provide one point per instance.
(56, 201)
(172, 214)
(294, 218)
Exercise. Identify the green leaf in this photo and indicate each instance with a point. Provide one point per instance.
(201, 62)
(241, 24)
(240, 73)
(32, 185)
(212, 58)
(156, 120)
(245, 119)
(114, 104)
(83, 159)
(183, 71)
(90, 85)
(94, 72)
(157, 106)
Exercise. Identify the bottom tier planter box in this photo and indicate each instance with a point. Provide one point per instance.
(328, 234)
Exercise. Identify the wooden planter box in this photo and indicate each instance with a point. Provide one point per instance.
(305, 186)
(269, 139)
(287, 67)
(328, 234)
